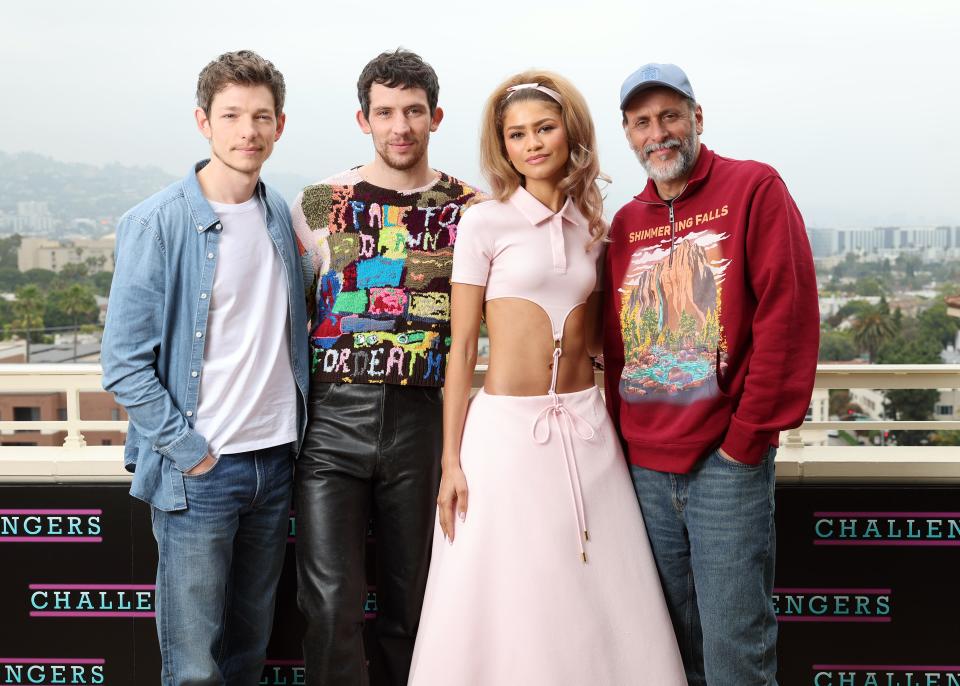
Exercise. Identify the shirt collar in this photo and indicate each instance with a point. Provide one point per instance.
(537, 213)
(203, 215)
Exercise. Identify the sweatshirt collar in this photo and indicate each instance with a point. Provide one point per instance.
(700, 172)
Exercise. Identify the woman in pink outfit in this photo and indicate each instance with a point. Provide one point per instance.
(541, 571)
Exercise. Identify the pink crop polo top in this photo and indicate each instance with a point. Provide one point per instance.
(522, 249)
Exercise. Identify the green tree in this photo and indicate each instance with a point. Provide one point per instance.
(871, 331)
(868, 286)
(8, 251)
(10, 279)
(77, 303)
(853, 308)
(837, 346)
(28, 313)
(687, 329)
(102, 282)
(910, 404)
(72, 273)
(39, 277)
(936, 324)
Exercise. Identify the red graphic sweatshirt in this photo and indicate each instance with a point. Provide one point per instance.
(711, 319)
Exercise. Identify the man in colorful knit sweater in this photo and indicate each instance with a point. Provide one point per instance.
(710, 349)
(377, 249)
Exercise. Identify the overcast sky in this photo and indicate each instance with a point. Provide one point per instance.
(854, 101)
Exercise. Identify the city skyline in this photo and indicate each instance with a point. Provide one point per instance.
(851, 101)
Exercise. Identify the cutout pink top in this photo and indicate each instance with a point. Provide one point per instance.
(522, 249)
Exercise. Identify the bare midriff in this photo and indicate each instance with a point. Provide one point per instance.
(521, 349)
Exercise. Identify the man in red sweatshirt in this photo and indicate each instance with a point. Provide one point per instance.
(711, 332)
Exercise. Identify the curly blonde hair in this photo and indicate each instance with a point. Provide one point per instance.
(583, 167)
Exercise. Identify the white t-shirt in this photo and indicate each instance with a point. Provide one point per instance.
(248, 397)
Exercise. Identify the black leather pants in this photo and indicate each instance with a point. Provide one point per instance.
(369, 450)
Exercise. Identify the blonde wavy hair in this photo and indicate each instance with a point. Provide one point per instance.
(583, 167)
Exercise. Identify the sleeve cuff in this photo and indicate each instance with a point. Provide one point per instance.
(746, 444)
(186, 452)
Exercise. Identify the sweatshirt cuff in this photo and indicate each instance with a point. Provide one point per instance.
(746, 444)
(186, 452)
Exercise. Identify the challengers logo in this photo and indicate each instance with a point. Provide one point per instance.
(92, 600)
(50, 526)
(885, 675)
(930, 529)
(866, 605)
(51, 670)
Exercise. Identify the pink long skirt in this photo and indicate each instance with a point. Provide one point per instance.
(511, 601)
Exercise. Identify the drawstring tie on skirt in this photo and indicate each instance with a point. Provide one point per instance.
(574, 423)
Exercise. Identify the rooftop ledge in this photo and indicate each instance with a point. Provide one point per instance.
(75, 462)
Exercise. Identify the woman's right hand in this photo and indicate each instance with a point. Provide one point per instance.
(452, 499)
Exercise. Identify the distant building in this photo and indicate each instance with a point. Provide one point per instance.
(46, 253)
(823, 242)
(33, 217)
(953, 306)
(884, 240)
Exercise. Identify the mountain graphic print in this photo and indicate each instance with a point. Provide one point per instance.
(673, 340)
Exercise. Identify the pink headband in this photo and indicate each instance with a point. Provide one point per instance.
(536, 86)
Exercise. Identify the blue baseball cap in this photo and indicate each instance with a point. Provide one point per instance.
(652, 75)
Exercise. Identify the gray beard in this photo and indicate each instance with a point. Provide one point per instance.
(678, 168)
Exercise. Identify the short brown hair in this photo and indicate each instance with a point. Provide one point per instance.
(245, 68)
(400, 68)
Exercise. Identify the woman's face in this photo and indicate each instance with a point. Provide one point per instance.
(535, 140)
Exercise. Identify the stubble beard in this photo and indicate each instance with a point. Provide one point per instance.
(398, 163)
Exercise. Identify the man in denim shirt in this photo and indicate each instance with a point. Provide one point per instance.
(205, 347)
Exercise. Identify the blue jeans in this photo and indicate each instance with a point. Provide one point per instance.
(713, 536)
(219, 563)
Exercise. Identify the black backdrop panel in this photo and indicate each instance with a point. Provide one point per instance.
(864, 592)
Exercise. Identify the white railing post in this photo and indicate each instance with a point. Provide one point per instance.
(74, 438)
(794, 439)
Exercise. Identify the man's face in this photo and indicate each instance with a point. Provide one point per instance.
(241, 126)
(400, 123)
(664, 133)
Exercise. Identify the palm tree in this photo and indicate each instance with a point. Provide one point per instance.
(872, 330)
(76, 301)
(28, 314)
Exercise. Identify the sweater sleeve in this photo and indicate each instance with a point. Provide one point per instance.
(786, 325)
(613, 359)
(312, 243)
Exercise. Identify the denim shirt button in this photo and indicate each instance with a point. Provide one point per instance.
(203, 296)
(209, 255)
(218, 226)
(199, 334)
(194, 374)
(189, 413)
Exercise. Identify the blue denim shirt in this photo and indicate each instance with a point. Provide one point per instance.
(152, 352)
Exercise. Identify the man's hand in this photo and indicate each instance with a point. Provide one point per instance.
(452, 500)
(726, 456)
(205, 465)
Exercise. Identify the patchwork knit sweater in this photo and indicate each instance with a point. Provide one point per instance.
(376, 265)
